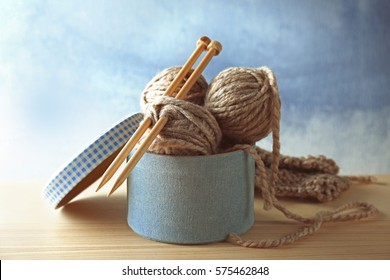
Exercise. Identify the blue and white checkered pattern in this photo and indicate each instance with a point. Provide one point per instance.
(90, 158)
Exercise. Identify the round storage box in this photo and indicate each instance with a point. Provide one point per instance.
(191, 199)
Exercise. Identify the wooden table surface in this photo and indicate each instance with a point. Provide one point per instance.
(94, 227)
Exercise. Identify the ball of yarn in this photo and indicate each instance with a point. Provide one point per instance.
(245, 102)
(159, 84)
(191, 129)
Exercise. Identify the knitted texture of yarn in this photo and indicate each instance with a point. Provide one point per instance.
(191, 129)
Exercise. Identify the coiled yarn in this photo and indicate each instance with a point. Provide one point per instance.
(245, 102)
(191, 129)
(160, 82)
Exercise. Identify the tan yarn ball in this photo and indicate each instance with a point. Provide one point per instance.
(191, 129)
(244, 101)
(159, 84)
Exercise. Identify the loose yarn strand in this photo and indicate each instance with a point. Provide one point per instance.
(275, 129)
(347, 212)
(261, 174)
(362, 210)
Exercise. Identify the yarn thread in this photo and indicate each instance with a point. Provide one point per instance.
(348, 212)
(241, 107)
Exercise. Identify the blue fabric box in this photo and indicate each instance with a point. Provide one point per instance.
(191, 200)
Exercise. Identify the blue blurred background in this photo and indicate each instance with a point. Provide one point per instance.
(69, 70)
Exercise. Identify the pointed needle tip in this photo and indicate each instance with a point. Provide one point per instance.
(117, 184)
(102, 183)
(110, 193)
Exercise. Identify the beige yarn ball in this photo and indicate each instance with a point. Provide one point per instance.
(191, 129)
(245, 102)
(159, 84)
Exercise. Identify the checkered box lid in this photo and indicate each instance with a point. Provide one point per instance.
(90, 164)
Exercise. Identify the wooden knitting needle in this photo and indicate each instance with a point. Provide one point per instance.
(213, 49)
(201, 44)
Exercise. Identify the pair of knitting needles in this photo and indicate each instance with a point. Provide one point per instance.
(204, 43)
